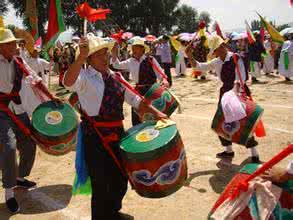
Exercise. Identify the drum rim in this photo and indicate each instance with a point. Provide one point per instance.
(149, 93)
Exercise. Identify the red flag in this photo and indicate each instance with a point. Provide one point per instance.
(118, 36)
(56, 24)
(291, 2)
(91, 14)
(262, 34)
(218, 30)
(251, 38)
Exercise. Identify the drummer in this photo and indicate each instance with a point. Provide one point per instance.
(140, 68)
(14, 99)
(101, 98)
(225, 68)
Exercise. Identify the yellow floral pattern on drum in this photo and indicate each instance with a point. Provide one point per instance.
(54, 117)
(147, 135)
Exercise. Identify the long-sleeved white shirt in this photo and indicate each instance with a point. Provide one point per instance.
(216, 64)
(40, 66)
(90, 89)
(132, 66)
(28, 97)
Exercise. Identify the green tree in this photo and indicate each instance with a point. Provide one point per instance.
(187, 19)
(3, 7)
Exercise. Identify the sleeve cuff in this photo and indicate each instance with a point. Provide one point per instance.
(290, 168)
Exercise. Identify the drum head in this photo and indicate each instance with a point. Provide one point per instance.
(54, 121)
(144, 141)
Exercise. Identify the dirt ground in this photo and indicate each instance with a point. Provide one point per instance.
(207, 175)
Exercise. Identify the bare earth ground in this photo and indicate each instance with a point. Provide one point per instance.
(207, 175)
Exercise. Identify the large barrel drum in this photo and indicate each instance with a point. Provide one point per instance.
(55, 127)
(238, 131)
(154, 159)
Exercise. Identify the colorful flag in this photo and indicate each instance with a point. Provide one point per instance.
(31, 14)
(275, 35)
(250, 36)
(219, 31)
(291, 2)
(38, 43)
(91, 14)
(56, 24)
(262, 34)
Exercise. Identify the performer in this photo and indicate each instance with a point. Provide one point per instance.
(141, 69)
(180, 60)
(255, 51)
(16, 99)
(226, 70)
(101, 98)
(268, 66)
(286, 58)
(39, 65)
(200, 54)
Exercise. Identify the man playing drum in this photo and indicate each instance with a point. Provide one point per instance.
(141, 68)
(226, 70)
(14, 100)
(101, 98)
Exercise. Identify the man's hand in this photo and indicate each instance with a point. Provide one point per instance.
(115, 51)
(84, 49)
(165, 83)
(277, 175)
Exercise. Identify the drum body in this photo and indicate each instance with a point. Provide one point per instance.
(161, 99)
(155, 160)
(238, 131)
(55, 128)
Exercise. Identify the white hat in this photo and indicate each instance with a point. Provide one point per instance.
(6, 36)
(96, 44)
(139, 42)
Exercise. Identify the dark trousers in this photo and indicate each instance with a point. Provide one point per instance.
(12, 138)
(109, 185)
(134, 117)
(167, 70)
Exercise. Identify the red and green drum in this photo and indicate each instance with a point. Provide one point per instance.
(238, 131)
(74, 102)
(55, 127)
(162, 99)
(155, 160)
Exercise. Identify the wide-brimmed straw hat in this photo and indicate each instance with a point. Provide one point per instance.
(6, 36)
(139, 42)
(96, 44)
(215, 42)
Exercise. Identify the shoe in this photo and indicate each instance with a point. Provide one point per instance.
(12, 205)
(255, 159)
(288, 79)
(254, 79)
(225, 154)
(203, 78)
(26, 184)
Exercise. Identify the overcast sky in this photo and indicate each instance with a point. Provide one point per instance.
(229, 13)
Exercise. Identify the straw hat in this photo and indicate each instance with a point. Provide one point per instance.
(139, 42)
(96, 44)
(215, 42)
(6, 36)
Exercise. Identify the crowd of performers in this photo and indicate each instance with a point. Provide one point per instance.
(88, 66)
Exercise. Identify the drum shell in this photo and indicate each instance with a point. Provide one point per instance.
(55, 144)
(244, 128)
(161, 99)
(152, 162)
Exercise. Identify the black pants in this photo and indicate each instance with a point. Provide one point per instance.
(167, 70)
(109, 185)
(134, 117)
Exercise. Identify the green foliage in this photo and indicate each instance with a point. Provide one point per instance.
(3, 7)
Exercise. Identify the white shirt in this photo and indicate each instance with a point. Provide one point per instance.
(90, 89)
(132, 65)
(40, 66)
(216, 64)
(27, 96)
(290, 167)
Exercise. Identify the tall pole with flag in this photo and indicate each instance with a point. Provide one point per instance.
(32, 15)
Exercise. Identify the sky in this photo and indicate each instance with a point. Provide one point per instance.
(230, 14)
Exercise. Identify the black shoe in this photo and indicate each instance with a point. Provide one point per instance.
(254, 79)
(225, 154)
(288, 79)
(255, 159)
(12, 205)
(203, 78)
(26, 184)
